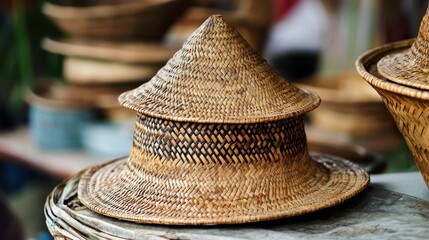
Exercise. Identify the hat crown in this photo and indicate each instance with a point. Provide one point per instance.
(218, 77)
(420, 48)
(169, 142)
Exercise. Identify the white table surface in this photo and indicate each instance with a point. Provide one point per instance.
(410, 183)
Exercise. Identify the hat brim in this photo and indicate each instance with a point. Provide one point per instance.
(402, 68)
(103, 189)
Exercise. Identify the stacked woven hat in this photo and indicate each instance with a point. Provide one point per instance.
(400, 73)
(101, 39)
(411, 66)
(219, 138)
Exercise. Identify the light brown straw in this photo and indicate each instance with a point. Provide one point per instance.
(66, 216)
(217, 77)
(218, 142)
(137, 19)
(409, 66)
(408, 106)
(197, 194)
(153, 54)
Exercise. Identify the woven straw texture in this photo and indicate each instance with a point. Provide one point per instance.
(410, 66)
(408, 106)
(199, 173)
(217, 77)
(136, 19)
(67, 218)
(219, 139)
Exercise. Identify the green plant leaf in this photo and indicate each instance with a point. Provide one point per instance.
(22, 46)
(8, 66)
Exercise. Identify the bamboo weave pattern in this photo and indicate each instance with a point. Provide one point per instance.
(201, 143)
(408, 106)
(219, 139)
(410, 67)
(218, 77)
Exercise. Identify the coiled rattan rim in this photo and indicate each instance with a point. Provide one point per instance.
(371, 57)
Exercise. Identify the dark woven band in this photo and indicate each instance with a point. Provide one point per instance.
(203, 143)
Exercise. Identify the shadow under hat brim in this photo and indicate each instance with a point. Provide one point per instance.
(402, 67)
(335, 181)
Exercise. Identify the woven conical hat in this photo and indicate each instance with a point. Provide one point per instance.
(218, 77)
(410, 67)
(204, 171)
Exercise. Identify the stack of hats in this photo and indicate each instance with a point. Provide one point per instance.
(112, 46)
(101, 70)
(400, 74)
(219, 139)
(103, 36)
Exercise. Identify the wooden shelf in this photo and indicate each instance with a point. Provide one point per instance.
(17, 145)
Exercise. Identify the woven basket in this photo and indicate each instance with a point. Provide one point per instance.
(219, 139)
(408, 106)
(67, 218)
(137, 19)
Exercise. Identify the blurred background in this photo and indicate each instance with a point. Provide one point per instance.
(63, 64)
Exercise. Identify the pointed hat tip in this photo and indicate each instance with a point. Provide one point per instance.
(217, 77)
(215, 20)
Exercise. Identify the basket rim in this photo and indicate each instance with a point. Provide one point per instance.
(99, 11)
(157, 53)
(38, 96)
(372, 56)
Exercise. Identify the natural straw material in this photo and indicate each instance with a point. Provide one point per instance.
(86, 71)
(136, 19)
(410, 66)
(204, 195)
(227, 163)
(408, 106)
(217, 77)
(66, 217)
(156, 54)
